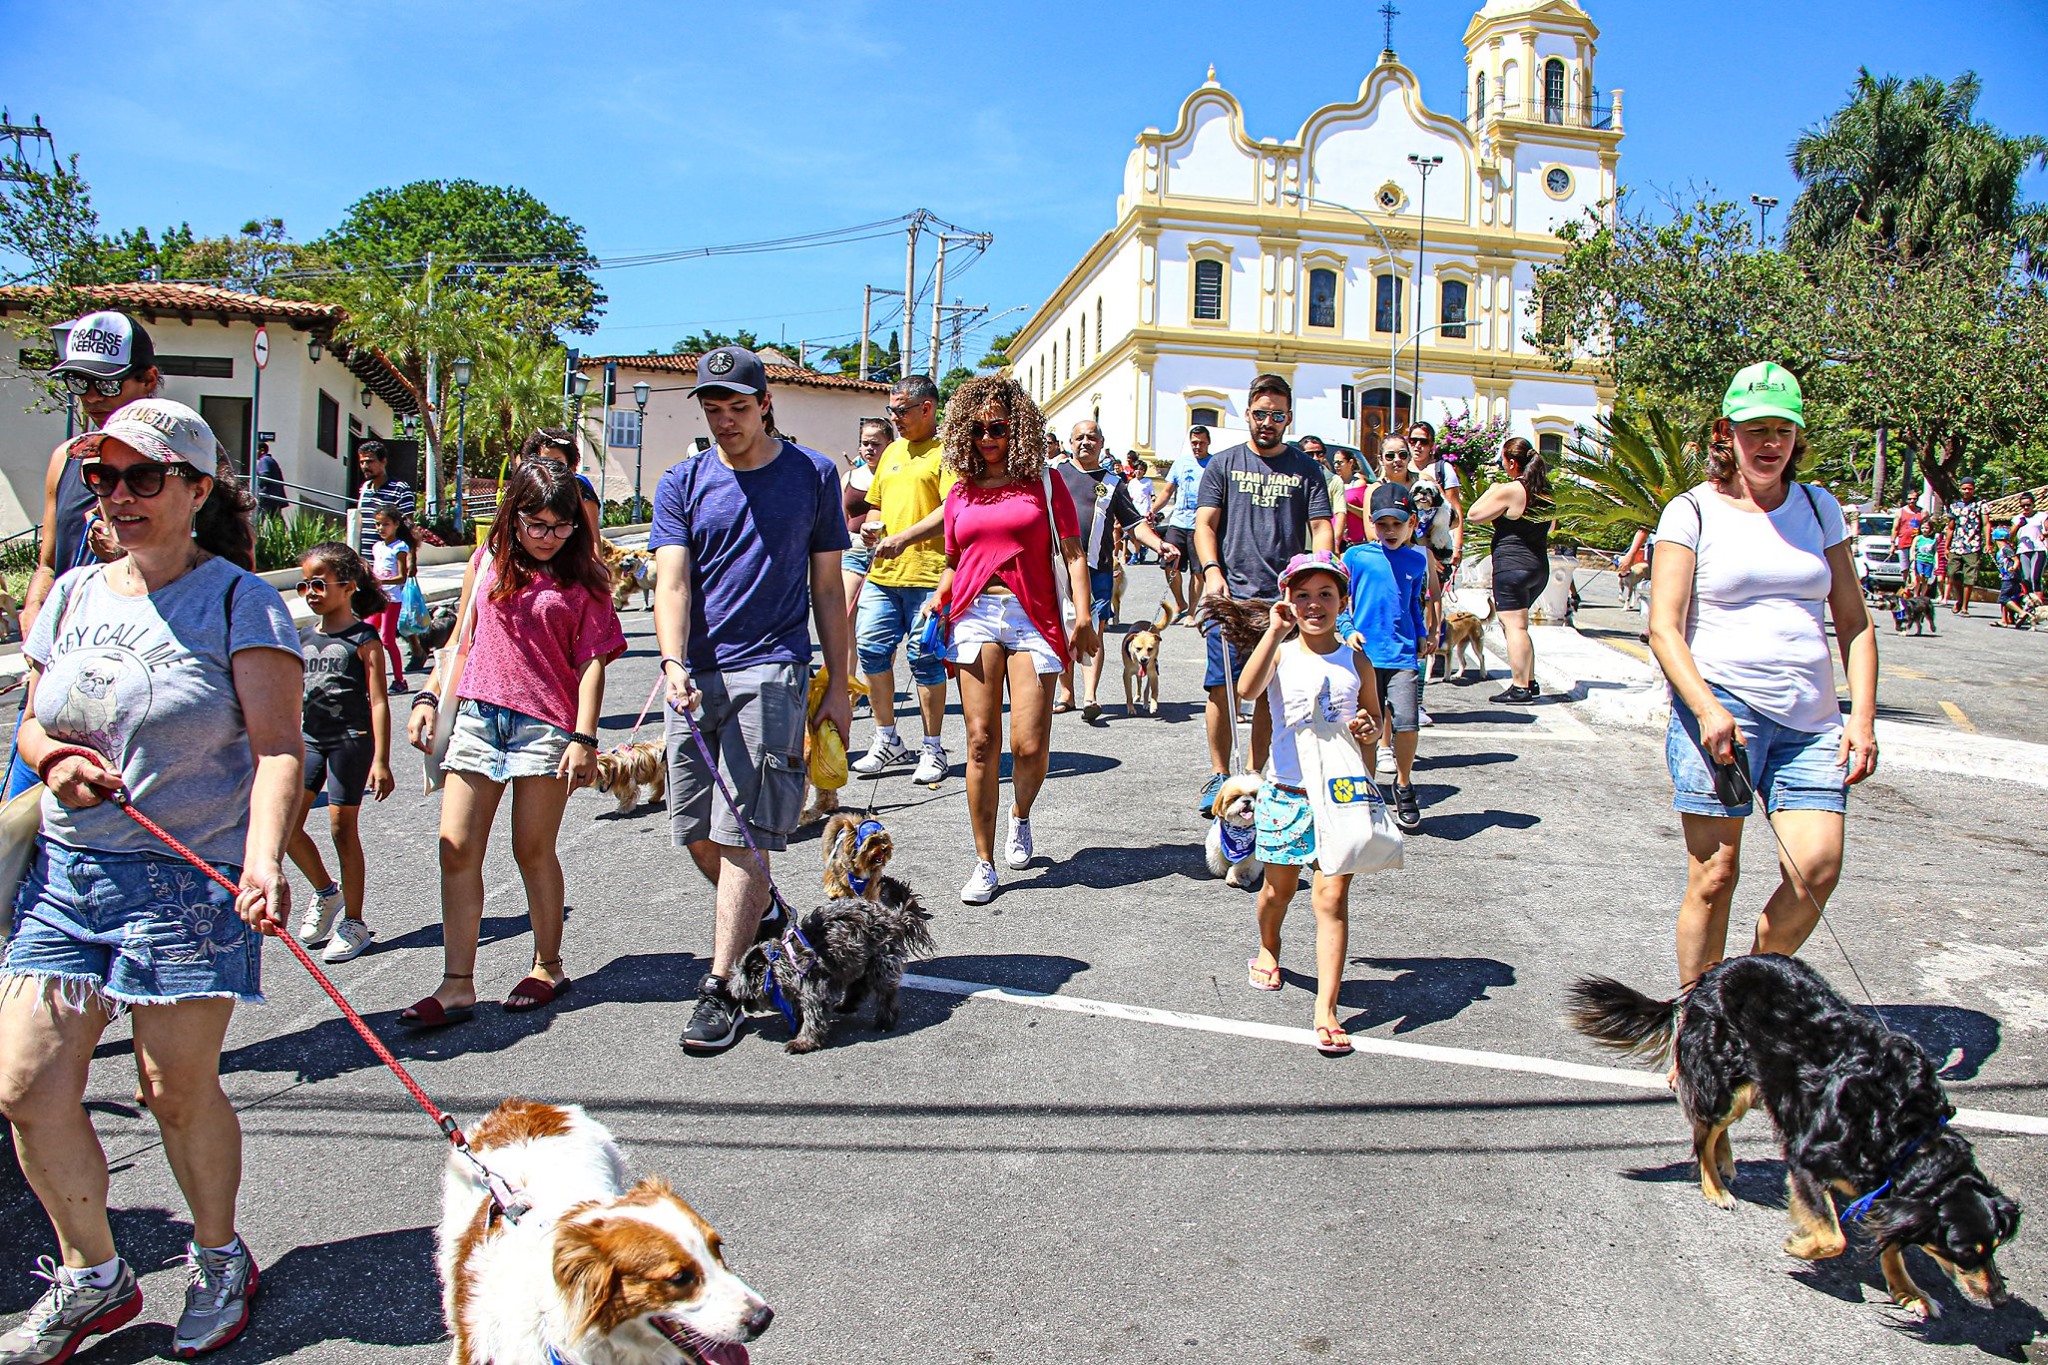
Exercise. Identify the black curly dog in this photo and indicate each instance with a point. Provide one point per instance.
(851, 948)
(1858, 1106)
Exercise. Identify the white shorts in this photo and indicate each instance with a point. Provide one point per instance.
(999, 619)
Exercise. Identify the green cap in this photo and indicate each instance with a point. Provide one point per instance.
(1764, 390)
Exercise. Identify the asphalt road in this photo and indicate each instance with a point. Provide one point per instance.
(998, 1181)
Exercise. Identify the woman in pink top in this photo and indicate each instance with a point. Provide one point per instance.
(1357, 496)
(531, 686)
(1001, 604)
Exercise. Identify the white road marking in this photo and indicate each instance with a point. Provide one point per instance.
(1987, 1119)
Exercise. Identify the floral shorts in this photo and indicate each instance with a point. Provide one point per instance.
(1286, 827)
(130, 929)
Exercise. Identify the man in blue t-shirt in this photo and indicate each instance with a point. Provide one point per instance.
(1176, 498)
(733, 591)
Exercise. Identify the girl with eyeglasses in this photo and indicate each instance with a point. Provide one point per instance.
(999, 601)
(347, 729)
(529, 668)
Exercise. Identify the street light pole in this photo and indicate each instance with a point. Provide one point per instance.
(1764, 204)
(1393, 373)
(1423, 165)
(640, 394)
(462, 369)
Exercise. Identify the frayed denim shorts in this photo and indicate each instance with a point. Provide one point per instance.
(498, 743)
(130, 929)
(1793, 769)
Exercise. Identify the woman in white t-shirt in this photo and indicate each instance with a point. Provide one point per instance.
(1766, 558)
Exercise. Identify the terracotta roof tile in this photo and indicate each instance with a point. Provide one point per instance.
(177, 300)
(687, 364)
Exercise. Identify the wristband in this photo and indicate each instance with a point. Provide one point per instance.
(668, 659)
(427, 699)
(1209, 564)
(587, 741)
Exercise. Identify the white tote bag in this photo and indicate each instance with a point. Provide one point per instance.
(453, 655)
(1355, 832)
(1068, 620)
(21, 821)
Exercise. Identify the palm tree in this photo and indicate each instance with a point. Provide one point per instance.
(1620, 482)
(1905, 166)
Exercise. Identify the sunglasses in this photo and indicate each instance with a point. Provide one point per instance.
(1269, 418)
(308, 584)
(83, 384)
(143, 480)
(898, 409)
(999, 431)
(547, 530)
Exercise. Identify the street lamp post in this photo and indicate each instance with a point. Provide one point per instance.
(1764, 204)
(579, 384)
(640, 393)
(462, 369)
(1393, 374)
(1423, 166)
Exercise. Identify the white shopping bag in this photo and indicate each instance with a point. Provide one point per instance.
(1355, 832)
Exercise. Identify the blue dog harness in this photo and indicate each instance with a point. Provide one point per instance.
(1854, 1213)
(866, 830)
(775, 952)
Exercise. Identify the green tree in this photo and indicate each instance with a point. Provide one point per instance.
(1905, 168)
(245, 261)
(998, 357)
(1619, 482)
(48, 225)
(699, 342)
(492, 241)
(885, 358)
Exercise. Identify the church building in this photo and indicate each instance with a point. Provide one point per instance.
(1387, 249)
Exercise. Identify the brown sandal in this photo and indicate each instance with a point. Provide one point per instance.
(429, 1013)
(531, 993)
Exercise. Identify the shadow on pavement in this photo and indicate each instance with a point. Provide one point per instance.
(381, 1289)
(920, 1010)
(1425, 990)
(1432, 762)
(1756, 1182)
(1960, 1041)
(1101, 869)
(146, 1238)
(1854, 1277)
(1460, 826)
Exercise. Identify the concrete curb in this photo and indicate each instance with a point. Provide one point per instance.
(1609, 686)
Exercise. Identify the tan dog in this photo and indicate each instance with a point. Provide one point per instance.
(849, 858)
(633, 571)
(1467, 636)
(630, 770)
(1141, 663)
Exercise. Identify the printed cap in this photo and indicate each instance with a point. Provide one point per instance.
(1764, 390)
(157, 429)
(1392, 500)
(1315, 561)
(733, 368)
(105, 345)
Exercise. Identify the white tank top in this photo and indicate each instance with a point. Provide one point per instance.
(1304, 685)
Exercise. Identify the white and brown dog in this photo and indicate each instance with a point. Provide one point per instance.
(1466, 638)
(633, 570)
(634, 774)
(592, 1272)
(1141, 663)
(1231, 837)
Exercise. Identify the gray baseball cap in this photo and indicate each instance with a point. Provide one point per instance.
(732, 368)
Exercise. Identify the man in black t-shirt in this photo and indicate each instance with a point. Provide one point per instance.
(1260, 504)
(1102, 502)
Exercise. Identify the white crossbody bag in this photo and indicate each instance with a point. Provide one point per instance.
(454, 654)
(1068, 620)
(1355, 832)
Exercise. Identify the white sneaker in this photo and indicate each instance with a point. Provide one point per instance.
(1422, 716)
(1017, 850)
(351, 936)
(318, 921)
(931, 765)
(880, 755)
(981, 885)
(1384, 772)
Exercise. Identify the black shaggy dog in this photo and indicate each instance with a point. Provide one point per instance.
(1858, 1106)
(851, 948)
(420, 648)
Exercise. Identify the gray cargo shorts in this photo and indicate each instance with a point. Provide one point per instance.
(753, 723)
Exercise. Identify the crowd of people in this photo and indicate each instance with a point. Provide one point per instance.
(160, 663)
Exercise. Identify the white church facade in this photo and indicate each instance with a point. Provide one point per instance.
(1335, 259)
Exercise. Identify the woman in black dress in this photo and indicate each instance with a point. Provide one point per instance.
(1519, 508)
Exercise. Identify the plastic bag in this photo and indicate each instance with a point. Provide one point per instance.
(826, 752)
(412, 609)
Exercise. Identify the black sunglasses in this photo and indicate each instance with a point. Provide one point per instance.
(83, 384)
(143, 480)
(998, 430)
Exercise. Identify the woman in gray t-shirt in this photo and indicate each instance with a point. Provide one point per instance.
(173, 674)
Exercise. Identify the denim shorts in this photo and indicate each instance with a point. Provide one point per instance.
(1794, 769)
(130, 929)
(858, 560)
(888, 618)
(1101, 593)
(498, 743)
(1286, 826)
(1223, 664)
(997, 618)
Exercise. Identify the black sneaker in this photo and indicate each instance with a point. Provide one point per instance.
(715, 1024)
(1206, 807)
(1407, 810)
(1514, 696)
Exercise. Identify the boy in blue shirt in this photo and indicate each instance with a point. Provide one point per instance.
(1390, 581)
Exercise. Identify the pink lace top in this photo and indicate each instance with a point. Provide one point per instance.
(529, 650)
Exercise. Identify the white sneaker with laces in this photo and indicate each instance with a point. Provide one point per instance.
(318, 921)
(351, 936)
(880, 755)
(931, 765)
(1017, 849)
(1422, 716)
(981, 885)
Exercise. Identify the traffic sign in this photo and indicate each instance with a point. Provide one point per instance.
(262, 347)
(263, 436)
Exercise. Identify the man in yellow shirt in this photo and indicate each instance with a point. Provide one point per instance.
(908, 493)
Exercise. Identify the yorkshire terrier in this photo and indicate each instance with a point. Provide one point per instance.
(842, 952)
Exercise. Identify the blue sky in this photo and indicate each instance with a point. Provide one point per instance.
(665, 126)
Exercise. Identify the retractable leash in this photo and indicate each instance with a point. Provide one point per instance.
(504, 1198)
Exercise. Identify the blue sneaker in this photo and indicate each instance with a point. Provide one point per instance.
(1206, 807)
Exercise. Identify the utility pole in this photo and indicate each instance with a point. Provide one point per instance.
(18, 133)
(430, 422)
(938, 303)
(1877, 467)
(909, 346)
(867, 313)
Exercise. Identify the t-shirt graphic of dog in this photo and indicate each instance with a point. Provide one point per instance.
(90, 711)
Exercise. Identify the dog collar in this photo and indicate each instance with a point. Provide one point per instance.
(1854, 1213)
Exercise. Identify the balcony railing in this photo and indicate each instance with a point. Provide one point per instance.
(1595, 113)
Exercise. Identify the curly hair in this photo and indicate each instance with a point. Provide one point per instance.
(1027, 428)
(1721, 454)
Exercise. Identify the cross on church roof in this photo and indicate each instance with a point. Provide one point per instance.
(1387, 11)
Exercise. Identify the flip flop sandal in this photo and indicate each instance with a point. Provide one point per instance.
(1092, 711)
(1060, 708)
(1264, 978)
(532, 993)
(1333, 1042)
(430, 1013)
